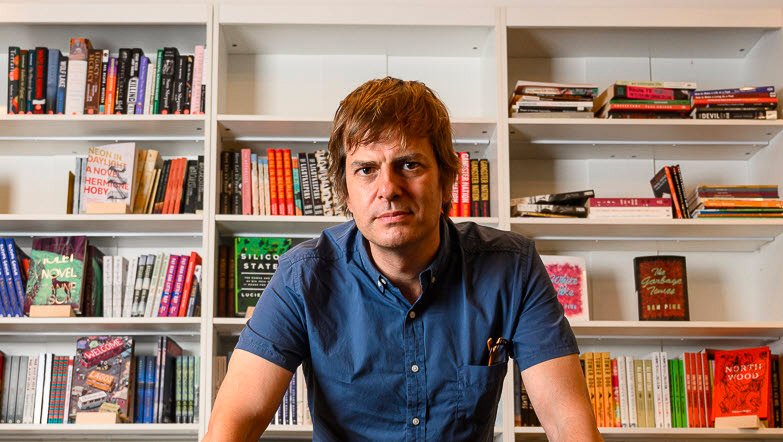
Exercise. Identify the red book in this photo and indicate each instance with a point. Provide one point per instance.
(183, 165)
(194, 260)
(629, 202)
(39, 91)
(738, 100)
(247, 191)
(464, 184)
(742, 383)
(705, 372)
(179, 284)
(167, 203)
(661, 288)
(280, 178)
(288, 179)
(616, 395)
(701, 407)
(168, 283)
(272, 171)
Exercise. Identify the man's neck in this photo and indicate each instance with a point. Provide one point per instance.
(402, 267)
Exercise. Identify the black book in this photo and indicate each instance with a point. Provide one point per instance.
(30, 81)
(236, 177)
(13, 79)
(190, 188)
(304, 184)
(315, 184)
(93, 282)
(180, 84)
(188, 84)
(62, 80)
(549, 210)
(160, 193)
(577, 198)
(123, 72)
(22, 96)
(200, 185)
(170, 56)
(227, 184)
(104, 75)
(165, 387)
(132, 93)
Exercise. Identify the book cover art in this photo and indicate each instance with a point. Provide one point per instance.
(57, 272)
(569, 278)
(103, 374)
(661, 288)
(256, 261)
(742, 383)
(109, 176)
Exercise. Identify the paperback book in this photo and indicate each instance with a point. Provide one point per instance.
(661, 288)
(57, 272)
(569, 278)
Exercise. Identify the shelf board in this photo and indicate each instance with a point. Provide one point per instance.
(727, 235)
(88, 325)
(686, 330)
(99, 432)
(599, 138)
(98, 128)
(622, 434)
(228, 326)
(102, 225)
(269, 128)
(304, 226)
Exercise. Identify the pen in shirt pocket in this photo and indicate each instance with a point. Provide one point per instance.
(498, 351)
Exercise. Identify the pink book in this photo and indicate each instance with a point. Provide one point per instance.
(629, 202)
(179, 283)
(464, 184)
(168, 283)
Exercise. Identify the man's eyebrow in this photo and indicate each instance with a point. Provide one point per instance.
(412, 156)
(365, 163)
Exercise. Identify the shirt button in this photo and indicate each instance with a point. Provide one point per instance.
(412, 315)
(415, 368)
(432, 280)
(415, 421)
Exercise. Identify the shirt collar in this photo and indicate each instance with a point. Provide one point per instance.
(429, 274)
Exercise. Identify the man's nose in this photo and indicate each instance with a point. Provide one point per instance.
(389, 184)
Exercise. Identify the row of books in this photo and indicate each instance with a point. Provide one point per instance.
(642, 99)
(470, 192)
(119, 178)
(103, 376)
(281, 183)
(91, 81)
(696, 390)
(554, 205)
(729, 201)
(294, 408)
(159, 285)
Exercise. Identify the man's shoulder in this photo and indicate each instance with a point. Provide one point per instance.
(330, 245)
(475, 238)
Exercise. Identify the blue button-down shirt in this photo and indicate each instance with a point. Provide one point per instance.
(379, 368)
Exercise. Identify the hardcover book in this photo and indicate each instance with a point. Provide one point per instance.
(108, 180)
(256, 261)
(661, 288)
(103, 374)
(57, 272)
(742, 383)
(569, 279)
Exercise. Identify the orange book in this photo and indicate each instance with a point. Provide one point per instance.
(606, 363)
(171, 186)
(288, 179)
(111, 87)
(175, 208)
(272, 171)
(280, 176)
(194, 260)
(673, 189)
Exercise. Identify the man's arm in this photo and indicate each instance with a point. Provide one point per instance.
(248, 398)
(559, 395)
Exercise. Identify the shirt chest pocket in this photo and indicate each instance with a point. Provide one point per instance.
(480, 387)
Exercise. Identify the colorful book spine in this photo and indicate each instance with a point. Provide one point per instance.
(141, 92)
(298, 209)
(165, 300)
(464, 184)
(288, 179)
(281, 183)
(247, 192)
(179, 284)
(272, 159)
(62, 83)
(13, 79)
(52, 67)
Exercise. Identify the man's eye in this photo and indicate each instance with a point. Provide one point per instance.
(410, 165)
(364, 171)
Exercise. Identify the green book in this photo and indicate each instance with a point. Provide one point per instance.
(57, 272)
(189, 402)
(178, 391)
(156, 91)
(196, 388)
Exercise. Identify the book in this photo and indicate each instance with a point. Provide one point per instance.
(742, 383)
(569, 278)
(256, 260)
(663, 186)
(77, 75)
(661, 288)
(559, 210)
(576, 198)
(57, 272)
(103, 373)
(108, 181)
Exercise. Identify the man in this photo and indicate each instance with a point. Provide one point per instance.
(390, 313)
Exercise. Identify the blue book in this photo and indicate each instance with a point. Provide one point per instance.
(5, 306)
(149, 390)
(140, 94)
(62, 80)
(294, 404)
(141, 380)
(7, 282)
(53, 66)
(16, 273)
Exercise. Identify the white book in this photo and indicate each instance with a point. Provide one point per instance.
(667, 405)
(300, 398)
(146, 280)
(6, 385)
(267, 204)
(21, 388)
(160, 261)
(109, 180)
(118, 283)
(159, 288)
(254, 184)
(76, 82)
(9, 401)
(47, 387)
(30, 387)
(108, 285)
(139, 284)
(130, 283)
(149, 94)
(631, 385)
(622, 384)
(68, 381)
(261, 187)
(657, 389)
(39, 387)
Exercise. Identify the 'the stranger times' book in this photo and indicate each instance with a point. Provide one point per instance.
(57, 272)
(256, 261)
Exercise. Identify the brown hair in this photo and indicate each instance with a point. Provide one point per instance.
(391, 109)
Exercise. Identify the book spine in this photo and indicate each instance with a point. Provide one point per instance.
(227, 184)
(296, 174)
(307, 195)
(13, 79)
(609, 396)
(484, 183)
(464, 184)
(178, 86)
(178, 308)
(648, 107)
(630, 202)
(206, 73)
(740, 100)
(52, 69)
(673, 192)
(108, 273)
(168, 285)
(744, 90)
(123, 72)
(191, 187)
(178, 390)
(315, 185)
(648, 93)
(736, 115)
(288, 179)
(169, 63)
(62, 84)
(24, 56)
(281, 184)
(132, 92)
(188, 84)
(327, 197)
(247, 188)
(254, 185)
(29, 399)
(142, 85)
(16, 274)
(129, 292)
(475, 192)
(666, 394)
(40, 81)
(198, 73)
(659, 84)
(265, 195)
(149, 390)
(200, 184)
(272, 159)
(236, 196)
(141, 379)
(681, 192)
(104, 79)
(7, 281)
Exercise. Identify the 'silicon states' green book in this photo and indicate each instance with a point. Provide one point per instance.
(256, 260)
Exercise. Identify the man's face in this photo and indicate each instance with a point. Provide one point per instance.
(394, 194)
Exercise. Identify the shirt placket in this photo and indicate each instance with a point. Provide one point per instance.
(415, 377)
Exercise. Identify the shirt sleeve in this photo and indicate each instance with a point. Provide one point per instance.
(277, 331)
(542, 331)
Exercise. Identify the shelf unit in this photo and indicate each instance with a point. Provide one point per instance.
(268, 58)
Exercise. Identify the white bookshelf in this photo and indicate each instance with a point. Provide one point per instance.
(278, 72)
